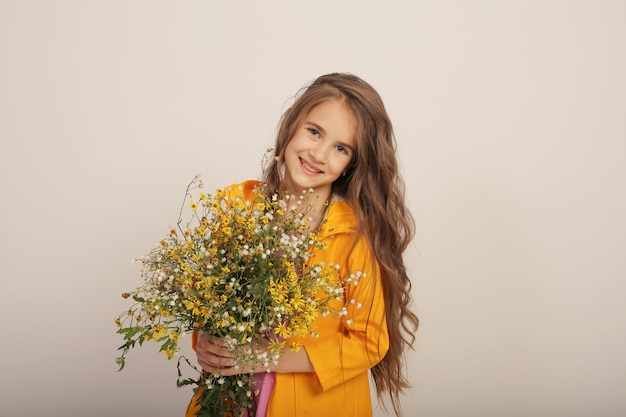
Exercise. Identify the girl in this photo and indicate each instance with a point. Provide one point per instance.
(337, 139)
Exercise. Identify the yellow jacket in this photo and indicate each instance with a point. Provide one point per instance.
(345, 349)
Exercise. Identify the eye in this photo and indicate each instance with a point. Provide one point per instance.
(314, 132)
(341, 149)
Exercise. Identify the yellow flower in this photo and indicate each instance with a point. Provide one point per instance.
(191, 305)
(300, 329)
(193, 205)
(159, 331)
(297, 301)
(310, 315)
(276, 345)
(282, 330)
(295, 346)
(238, 204)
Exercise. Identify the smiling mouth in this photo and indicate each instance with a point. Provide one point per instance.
(309, 168)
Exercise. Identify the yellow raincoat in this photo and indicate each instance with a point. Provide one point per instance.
(345, 349)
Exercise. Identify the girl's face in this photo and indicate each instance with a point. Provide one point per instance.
(321, 148)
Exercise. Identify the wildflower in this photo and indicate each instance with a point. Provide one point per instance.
(282, 330)
(239, 268)
(295, 346)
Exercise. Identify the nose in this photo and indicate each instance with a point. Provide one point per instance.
(319, 152)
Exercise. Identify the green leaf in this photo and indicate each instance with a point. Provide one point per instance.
(121, 361)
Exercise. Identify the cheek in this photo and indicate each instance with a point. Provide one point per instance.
(348, 160)
(293, 145)
(288, 150)
(341, 165)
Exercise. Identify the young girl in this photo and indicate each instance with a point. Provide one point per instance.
(337, 139)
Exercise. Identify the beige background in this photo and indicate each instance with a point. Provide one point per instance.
(510, 118)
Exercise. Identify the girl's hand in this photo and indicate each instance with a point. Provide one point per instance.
(214, 356)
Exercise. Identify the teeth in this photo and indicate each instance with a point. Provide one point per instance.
(309, 168)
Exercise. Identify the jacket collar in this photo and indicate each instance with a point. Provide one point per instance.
(339, 218)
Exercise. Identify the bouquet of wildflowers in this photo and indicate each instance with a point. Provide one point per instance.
(239, 269)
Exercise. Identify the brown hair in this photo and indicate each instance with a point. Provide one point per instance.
(376, 192)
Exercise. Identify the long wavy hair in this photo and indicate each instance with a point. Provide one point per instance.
(375, 190)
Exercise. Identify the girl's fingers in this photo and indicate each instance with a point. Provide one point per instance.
(210, 362)
(214, 355)
(214, 346)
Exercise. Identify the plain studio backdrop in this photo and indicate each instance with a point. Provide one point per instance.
(511, 125)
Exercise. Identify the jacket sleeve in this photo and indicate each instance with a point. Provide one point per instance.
(363, 341)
